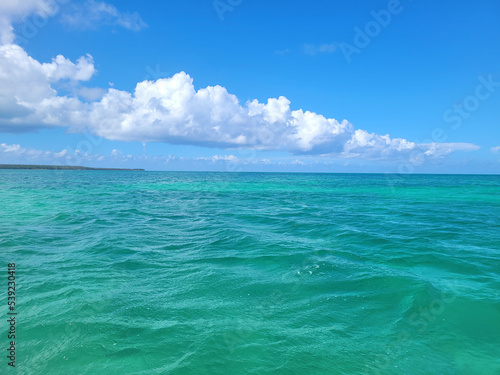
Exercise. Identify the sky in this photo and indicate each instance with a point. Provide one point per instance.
(399, 86)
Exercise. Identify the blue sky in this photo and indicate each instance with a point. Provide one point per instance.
(331, 86)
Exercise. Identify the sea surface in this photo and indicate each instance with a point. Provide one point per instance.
(126, 272)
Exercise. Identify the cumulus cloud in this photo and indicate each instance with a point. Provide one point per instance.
(91, 14)
(371, 143)
(375, 146)
(27, 97)
(495, 150)
(172, 110)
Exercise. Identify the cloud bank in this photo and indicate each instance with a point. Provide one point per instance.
(172, 110)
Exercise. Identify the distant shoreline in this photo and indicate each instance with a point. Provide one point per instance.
(63, 167)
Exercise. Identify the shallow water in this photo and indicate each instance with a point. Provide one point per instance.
(123, 272)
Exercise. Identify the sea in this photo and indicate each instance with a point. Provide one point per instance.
(133, 272)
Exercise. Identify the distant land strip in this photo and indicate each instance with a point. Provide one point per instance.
(63, 167)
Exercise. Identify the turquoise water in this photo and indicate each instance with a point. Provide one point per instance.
(216, 273)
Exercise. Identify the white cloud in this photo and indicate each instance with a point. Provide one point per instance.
(27, 97)
(62, 68)
(313, 49)
(61, 154)
(371, 144)
(15, 154)
(230, 158)
(91, 14)
(116, 153)
(440, 149)
(171, 110)
(216, 158)
(15, 149)
(495, 150)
